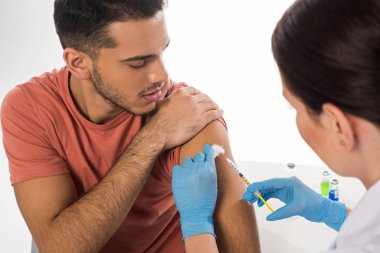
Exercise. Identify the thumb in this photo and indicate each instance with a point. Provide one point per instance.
(210, 159)
(207, 150)
(282, 213)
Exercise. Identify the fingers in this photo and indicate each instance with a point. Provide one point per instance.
(268, 185)
(268, 189)
(250, 197)
(201, 97)
(189, 90)
(205, 101)
(187, 111)
(210, 110)
(266, 197)
(187, 162)
(211, 115)
(207, 156)
(282, 213)
(205, 162)
(210, 160)
(207, 150)
(199, 157)
(209, 104)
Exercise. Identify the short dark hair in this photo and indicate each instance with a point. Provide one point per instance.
(83, 24)
(329, 51)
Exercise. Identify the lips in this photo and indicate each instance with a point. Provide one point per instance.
(153, 96)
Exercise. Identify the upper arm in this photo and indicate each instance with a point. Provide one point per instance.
(234, 218)
(30, 151)
(42, 184)
(43, 199)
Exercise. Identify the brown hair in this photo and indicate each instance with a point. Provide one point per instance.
(83, 24)
(329, 51)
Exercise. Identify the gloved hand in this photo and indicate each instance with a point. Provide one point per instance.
(299, 199)
(195, 190)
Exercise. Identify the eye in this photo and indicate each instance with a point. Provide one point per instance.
(137, 64)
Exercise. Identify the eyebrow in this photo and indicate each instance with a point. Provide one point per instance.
(142, 57)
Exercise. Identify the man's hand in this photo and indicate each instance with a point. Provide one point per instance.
(299, 199)
(182, 115)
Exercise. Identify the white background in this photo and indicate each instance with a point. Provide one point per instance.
(221, 47)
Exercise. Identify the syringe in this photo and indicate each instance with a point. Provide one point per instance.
(257, 193)
(218, 150)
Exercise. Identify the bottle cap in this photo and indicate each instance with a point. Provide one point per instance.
(291, 165)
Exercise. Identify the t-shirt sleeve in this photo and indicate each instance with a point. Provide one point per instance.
(167, 160)
(25, 141)
(221, 120)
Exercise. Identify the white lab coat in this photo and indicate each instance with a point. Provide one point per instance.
(361, 231)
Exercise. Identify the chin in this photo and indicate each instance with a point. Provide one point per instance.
(142, 111)
(343, 170)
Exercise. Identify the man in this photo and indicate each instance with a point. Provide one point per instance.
(91, 147)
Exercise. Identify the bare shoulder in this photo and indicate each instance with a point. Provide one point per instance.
(213, 133)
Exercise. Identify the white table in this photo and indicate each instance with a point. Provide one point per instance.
(296, 234)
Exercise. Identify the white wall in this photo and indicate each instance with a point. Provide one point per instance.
(221, 47)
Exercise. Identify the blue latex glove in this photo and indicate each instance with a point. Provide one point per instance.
(195, 190)
(299, 199)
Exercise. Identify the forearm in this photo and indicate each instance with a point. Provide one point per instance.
(87, 225)
(202, 243)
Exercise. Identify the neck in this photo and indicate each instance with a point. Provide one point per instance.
(367, 161)
(90, 104)
(370, 177)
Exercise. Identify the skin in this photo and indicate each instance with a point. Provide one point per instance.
(103, 88)
(202, 243)
(120, 81)
(348, 144)
(234, 219)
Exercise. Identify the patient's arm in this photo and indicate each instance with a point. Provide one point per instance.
(234, 219)
(202, 243)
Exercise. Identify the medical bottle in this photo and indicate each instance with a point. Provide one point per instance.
(325, 183)
(334, 190)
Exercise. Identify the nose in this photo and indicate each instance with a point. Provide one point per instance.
(157, 72)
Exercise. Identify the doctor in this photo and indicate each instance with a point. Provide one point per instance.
(328, 54)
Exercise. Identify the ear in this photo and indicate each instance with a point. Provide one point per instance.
(338, 123)
(78, 63)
